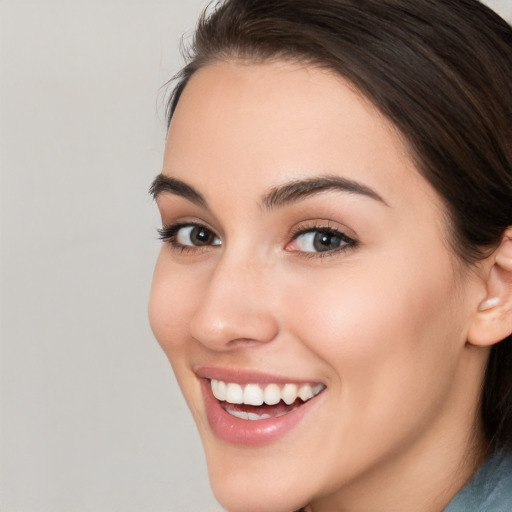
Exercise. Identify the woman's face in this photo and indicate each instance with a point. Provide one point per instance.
(305, 255)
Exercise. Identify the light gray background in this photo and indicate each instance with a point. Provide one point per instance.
(91, 417)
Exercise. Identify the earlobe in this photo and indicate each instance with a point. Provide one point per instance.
(492, 322)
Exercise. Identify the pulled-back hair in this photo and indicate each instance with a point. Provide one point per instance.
(441, 71)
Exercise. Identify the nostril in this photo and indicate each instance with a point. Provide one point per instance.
(247, 342)
(234, 334)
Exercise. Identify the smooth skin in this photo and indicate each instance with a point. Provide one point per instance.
(383, 321)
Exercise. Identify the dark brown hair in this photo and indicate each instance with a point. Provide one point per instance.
(441, 71)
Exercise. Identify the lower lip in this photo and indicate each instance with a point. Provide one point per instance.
(249, 432)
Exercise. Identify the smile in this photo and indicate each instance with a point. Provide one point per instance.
(254, 409)
(264, 401)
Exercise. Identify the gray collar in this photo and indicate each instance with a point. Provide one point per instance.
(490, 490)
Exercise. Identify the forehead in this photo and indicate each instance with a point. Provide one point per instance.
(262, 124)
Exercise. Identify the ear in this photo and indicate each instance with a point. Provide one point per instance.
(492, 322)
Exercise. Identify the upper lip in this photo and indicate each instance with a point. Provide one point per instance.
(242, 376)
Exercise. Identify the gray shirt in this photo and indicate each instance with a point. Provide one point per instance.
(490, 490)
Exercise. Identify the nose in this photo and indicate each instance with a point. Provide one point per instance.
(237, 308)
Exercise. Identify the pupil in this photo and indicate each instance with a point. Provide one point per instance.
(200, 236)
(326, 242)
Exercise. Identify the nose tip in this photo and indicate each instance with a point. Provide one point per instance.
(235, 310)
(225, 331)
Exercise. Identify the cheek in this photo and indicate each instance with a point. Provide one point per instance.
(171, 304)
(381, 334)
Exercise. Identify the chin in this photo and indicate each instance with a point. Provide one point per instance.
(254, 491)
(275, 477)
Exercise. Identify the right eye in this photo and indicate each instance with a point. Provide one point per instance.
(188, 236)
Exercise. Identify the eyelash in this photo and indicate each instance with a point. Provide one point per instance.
(168, 234)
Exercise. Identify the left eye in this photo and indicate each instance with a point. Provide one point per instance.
(321, 241)
(188, 236)
(196, 236)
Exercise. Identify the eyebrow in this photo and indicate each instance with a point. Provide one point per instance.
(177, 187)
(299, 189)
(277, 197)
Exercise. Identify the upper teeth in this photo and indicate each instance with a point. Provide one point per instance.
(271, 394)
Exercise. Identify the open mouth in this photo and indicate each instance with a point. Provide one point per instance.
(255, 402)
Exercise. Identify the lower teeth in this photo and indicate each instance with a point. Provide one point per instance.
(255, 413)
(248, 415)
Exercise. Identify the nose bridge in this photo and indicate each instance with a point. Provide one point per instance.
(236, 306)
